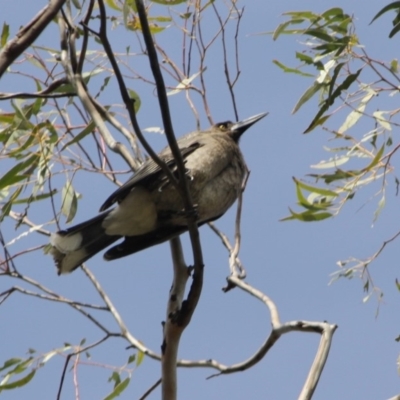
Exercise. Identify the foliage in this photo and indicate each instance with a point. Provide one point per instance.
(347, 81)
(64, 126)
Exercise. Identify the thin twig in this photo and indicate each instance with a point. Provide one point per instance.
(151, 388)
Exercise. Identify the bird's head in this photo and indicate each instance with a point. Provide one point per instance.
(235, 129)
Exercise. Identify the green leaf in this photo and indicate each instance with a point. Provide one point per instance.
(168, 2)
(154, 29)
(5, 32)
(376, 159)
(6, 208)
(330, 100)
(115, 377)
(313, 189)
(21, 367)
(185, 15)
(9, 363)
(21, 382)
(135, 97)
(140, 358)
(334, 77)
(12, 177)
(319, 34)
(89, 129)
(37, 197)
(307, 216)
(306, 203)
(303, 14)
(69, 201)
(118, 389)
(131, 358)
(394, 65)
(290, 70)
(113, 4)
(391, 6)
(332, 12)
(336, 176)
(318, 122)
(160, 19)
(395, 29)
(307, 95)
(280, 29)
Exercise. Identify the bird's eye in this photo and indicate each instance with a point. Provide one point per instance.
(222, 126)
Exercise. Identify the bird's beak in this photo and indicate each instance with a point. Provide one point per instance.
(242, 126)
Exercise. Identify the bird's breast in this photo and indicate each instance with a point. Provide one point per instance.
(214, 183)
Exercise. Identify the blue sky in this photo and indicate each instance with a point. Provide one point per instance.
(290, 261)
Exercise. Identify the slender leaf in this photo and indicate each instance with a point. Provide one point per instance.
(308, 216)
(118, 389)
(69, 202)
(12, 176)
(391, 6)
(89, 129)
(376, 159)
(168, 2)
(395, 29)
(334, 77)
(307, 95)
(319, 34)
(330, 100)
(131, 358)
(21, 382)
(140, 358)
(10, 362)
(113, 4)
(336, 11)
(290, 70)
(331, 163)
(313, 189)
(5, 32)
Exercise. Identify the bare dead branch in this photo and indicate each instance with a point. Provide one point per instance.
(319, 361)
(28, 34)
(73, 304)
(58, 299)
(121, 324)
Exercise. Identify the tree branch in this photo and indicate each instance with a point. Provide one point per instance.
(28, 34)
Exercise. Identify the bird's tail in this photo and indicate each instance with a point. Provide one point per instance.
(133, 244)
(73, 246)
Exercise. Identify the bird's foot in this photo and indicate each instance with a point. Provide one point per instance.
(192, 213)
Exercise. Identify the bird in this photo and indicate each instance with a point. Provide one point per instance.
(149, 209)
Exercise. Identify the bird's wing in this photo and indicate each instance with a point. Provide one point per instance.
(150, 171)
